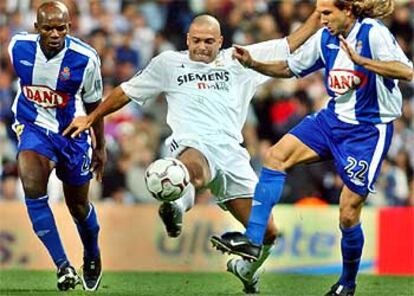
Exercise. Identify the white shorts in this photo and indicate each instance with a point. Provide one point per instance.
(232, 175)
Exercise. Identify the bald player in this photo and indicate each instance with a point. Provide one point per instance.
(59, 78)
(208, 94)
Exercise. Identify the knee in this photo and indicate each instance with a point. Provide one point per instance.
(33, 188)
(275, 159)
(79, 211)
(348, 217)
(270, 234)
(198, 175)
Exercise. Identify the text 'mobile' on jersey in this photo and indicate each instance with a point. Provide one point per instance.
(53, 91)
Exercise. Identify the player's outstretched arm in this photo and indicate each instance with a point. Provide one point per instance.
(115, 101)
(278, 69)
(99, 152)
(388, 69)
(307, 29)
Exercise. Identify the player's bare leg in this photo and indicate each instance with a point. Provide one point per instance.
(248, 272)
(286, 153)
(171, 213)
(34, 171)
(350, 207)
(84, 215)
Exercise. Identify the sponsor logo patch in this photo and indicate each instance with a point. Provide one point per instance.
(45, 97)
(340, 81)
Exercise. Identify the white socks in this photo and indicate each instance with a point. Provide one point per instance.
(186, 202)
(248, 269)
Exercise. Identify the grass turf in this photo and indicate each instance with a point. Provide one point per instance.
(19, 282)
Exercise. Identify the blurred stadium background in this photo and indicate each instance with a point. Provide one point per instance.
(127, 34)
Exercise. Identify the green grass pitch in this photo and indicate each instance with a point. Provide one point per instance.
(42, 283)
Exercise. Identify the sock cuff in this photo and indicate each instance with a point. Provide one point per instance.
(270, 174)
(36, 201)
(350, 230)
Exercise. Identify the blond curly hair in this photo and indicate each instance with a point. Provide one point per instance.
(367, 8)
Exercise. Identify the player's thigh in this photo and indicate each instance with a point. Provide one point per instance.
(350, 207)
(74, 159)
(34, 170)
(197, 165)
(288, 152)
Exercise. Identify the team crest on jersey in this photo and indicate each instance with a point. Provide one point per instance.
(65, 74)
(340, 81)
(45, 97)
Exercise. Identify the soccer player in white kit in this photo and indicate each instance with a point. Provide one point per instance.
(208, 94)
(362, 63)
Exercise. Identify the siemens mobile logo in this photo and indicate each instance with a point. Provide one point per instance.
(217, 76)
(340, 81)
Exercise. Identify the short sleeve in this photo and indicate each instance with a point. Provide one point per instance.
(92, 86)
(277, 49)
(384, 47)
(307, 58)
(147, 83)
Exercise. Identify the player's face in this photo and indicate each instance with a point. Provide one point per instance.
(336, 20)
(204, 42)
(52, 29)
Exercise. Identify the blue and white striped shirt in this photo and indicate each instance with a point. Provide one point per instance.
(357, 95)
(53, 91)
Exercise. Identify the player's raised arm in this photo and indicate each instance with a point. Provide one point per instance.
(311, 25)
(115, 101)
(278, 69)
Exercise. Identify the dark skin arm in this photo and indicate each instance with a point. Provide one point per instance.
(99, 152)
(115, 101)
(278, 69)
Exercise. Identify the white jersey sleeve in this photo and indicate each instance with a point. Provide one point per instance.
(384, 47)
(92, 86)
(148, 83)
(308, 57)
(277, 49)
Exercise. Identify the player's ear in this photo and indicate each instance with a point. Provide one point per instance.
(36, 26)
(69, 26)
(188, 40)
(221, 41)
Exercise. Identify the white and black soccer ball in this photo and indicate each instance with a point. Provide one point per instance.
(166, 179)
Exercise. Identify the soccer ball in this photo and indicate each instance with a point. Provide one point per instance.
(167, 179)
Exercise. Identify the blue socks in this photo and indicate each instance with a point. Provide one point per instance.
(45, 228)
(266, 195)
(88, 230)
(351, 245)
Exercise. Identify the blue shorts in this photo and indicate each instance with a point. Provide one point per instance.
(71, 156)
(358, 150)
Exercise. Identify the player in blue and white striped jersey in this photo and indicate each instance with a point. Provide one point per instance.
(362, 63)
(59, 78)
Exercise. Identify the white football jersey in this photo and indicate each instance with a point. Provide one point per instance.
(204, 99)
(357, 95)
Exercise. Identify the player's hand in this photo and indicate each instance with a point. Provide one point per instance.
(352, 54)
(77, 126)
(98, 162)
(243, 56)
